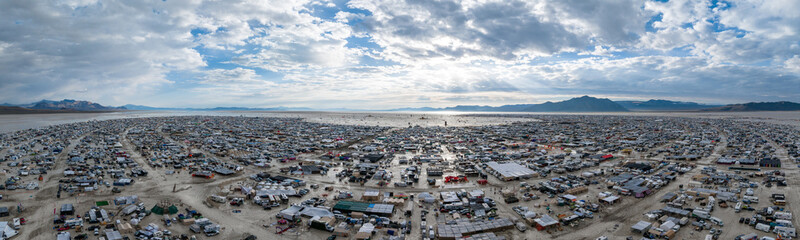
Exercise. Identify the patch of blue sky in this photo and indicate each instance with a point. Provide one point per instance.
(362, 42)
(683, 51)
(372, 62)
(649, 25)
(221, 59)
(197, 32)
(329, 13)
(181, 80)
(721, 4)
(719, 27)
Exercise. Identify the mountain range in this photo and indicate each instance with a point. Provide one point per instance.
(63, 106)
(140, 107)
(757, 106)
(663, 105)
(579, 104)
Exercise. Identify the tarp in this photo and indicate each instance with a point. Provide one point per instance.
(101, 203)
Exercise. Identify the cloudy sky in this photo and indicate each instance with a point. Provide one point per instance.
(374, 54)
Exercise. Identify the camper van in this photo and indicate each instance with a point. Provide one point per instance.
(750, 199)
(717, 221)
(219, 199)
(738, 207)
(785, 231)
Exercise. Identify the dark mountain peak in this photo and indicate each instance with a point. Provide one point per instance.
(663, 105)
(758, 106)
(578, 104)
(71, 104)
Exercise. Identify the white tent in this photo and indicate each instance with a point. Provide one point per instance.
(6, 231)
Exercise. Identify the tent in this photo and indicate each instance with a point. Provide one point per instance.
(161, 211)
(172, 210)
(157, 210)
(641, 227)
(6, 231)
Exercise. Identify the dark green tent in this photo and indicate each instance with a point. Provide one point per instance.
(172, 210)
(161, 211)
(157, 210)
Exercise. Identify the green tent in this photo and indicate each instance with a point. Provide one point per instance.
(157, 210)
(172, 210)
(101, 203)
(161, 211)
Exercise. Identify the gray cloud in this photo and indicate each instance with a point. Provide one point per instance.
(118, 52)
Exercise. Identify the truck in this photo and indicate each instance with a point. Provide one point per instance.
(684, 221)
(16, 223)
(317, 223)
(717, 221)
(409, 209)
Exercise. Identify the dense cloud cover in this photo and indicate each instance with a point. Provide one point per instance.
(395, 53)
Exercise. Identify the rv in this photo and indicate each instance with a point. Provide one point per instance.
(750, 199)
(785, 231)
(73, 222)
(762, 227)
(784, 223)
(700, 214)
(783, 215)
(738, 207)
(219, 199)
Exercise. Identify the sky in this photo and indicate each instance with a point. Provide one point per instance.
(379, 54)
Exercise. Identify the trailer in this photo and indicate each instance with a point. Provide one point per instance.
(762, 227)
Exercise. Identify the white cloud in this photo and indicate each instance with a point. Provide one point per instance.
(427, 52)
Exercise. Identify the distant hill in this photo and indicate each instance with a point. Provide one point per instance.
(22, 110)
(68, 104)
(581, 104)
(757, 106)
(140, 107)
(63, 106)
(663, 105)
